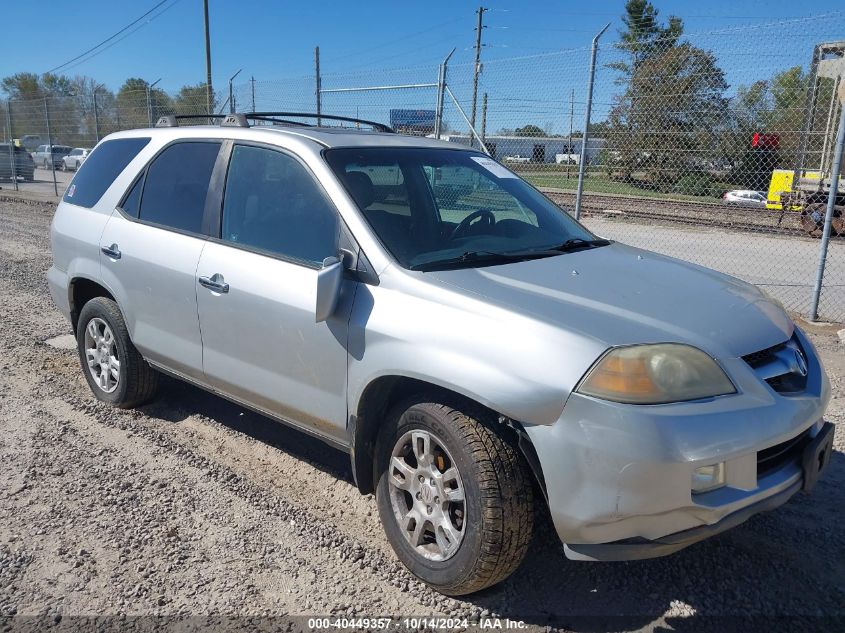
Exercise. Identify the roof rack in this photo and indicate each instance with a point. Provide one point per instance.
(239, 119)
(172, 120)
(271, 116)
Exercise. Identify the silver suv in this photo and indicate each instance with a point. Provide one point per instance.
(475, 350)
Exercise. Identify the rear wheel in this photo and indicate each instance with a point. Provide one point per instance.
(116, 372)
(454, 496)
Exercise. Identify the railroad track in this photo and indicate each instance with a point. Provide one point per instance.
(687, 213)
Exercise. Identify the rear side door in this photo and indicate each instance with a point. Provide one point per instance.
(150, 249)
(256, 294)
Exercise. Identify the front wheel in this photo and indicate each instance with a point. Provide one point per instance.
(114, 369)
(454, 496)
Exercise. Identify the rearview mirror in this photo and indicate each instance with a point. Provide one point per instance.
(329, 280)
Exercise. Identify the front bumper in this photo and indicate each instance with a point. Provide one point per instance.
(816, 457)
(618, 477)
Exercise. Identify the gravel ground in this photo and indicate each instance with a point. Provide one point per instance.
(193, 506)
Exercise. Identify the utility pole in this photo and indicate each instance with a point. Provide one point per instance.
(209, 91)
(319, 85)
(252, 81)
(478, 28)
(569, 140)
(484, 118)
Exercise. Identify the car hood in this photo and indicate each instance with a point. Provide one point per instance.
(620, 295)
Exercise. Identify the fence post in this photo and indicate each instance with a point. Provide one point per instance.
(12, 163)
(96, 117)
(441, 89)
(319, 85)
(50, 144)
(581, 163)
(835, 170)
(466, 119)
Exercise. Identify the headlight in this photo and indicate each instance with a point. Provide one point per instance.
(655, 374)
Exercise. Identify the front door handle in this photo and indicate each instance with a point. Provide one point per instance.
(214, 283)
(111, 251)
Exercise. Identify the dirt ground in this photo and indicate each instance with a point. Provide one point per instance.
(194, 506)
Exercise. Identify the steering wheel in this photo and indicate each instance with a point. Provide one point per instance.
(482, 215)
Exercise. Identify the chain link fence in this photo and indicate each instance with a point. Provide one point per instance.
(715, 147)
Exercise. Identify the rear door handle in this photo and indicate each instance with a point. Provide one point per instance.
(111, 251)
(214, 283)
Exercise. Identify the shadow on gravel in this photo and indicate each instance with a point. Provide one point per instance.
(785, 567)
(177, 400)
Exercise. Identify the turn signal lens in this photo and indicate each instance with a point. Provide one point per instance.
(656, 374)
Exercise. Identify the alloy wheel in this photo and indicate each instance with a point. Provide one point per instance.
(101, 355)
(427, 495)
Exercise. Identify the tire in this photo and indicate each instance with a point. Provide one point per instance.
(133, 382)
(489, 530)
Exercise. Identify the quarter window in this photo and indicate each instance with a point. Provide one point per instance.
(274, 204)
(132, 202)
(100, 169)
(177, 184)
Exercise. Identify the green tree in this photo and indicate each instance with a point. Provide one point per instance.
(529, 130)
(644, 35)
(775, 107)
(22, 86)
(663, 124)
(131, 104)
(27, 93)
(192, 100)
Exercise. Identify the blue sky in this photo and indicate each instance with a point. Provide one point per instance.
(275, 40)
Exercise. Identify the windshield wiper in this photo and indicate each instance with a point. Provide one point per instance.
(577, 243)
(482, 258)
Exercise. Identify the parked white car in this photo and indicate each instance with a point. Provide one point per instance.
(77, 156)
(516, 158)
(745, 197)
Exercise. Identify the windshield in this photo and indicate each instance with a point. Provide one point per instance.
(433, 206)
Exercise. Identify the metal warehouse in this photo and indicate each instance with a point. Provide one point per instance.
(535, 149)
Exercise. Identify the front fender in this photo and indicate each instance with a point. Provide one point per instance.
(515, 365)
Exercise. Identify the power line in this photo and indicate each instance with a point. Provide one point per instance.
(111, 37)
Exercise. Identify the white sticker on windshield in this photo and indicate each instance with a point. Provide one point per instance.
(493, 167)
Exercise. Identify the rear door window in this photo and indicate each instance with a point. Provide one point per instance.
(176, 185)
(100, 169)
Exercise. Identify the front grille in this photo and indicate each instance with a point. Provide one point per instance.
(764, 356)
(779, 367)
(777, 456)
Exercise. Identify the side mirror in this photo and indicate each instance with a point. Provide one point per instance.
(329, 280)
